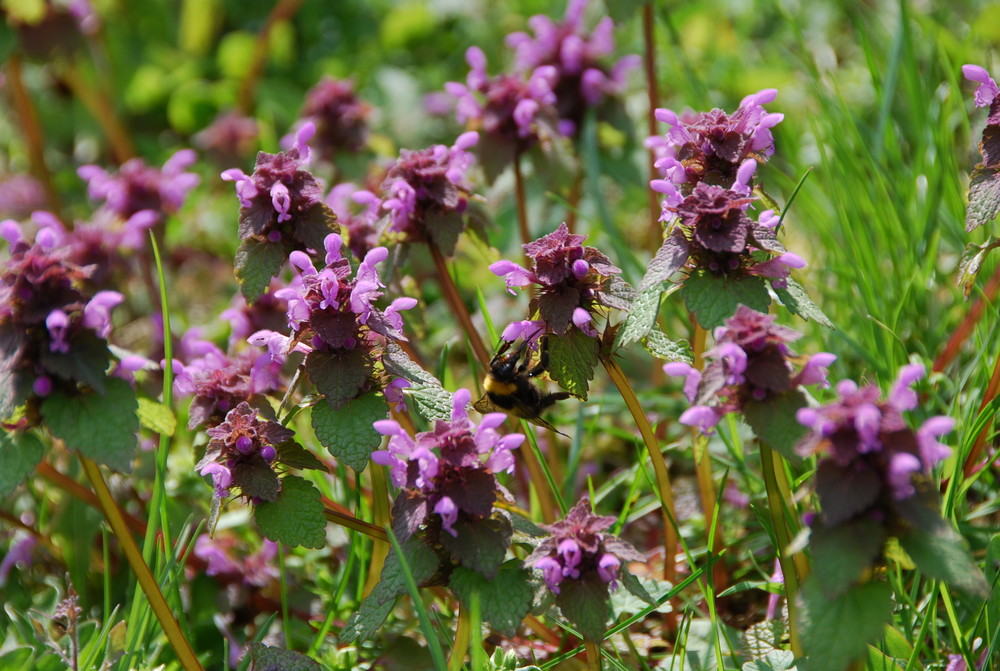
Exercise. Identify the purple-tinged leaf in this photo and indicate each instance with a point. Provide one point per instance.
(255, 478)
(339, 377)
(845, 492)
(480, 544)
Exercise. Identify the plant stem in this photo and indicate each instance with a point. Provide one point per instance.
(670, 537)
(380, 515)
(32, 134)
(455, 301)
(770, 465)
(282, 11)
(182, 648)
(352, 522)
(463, 634)
(652, 95)
(972, 317)
(522, 202)
(593, 655)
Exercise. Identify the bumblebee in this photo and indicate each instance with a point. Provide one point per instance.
(509, 387)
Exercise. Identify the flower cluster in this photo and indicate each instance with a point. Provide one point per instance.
(20, 195)
(715, 147)
(277, 199)
(577, 550)
(867, 448)
(447, 475)
(574, 53)
(988, 90)
(53, 334)
(426, 192)
(358, 223)
(340, 117)
(574, 281)
(509, 109)
(256, 569)
(984, 182)
(240, 452)
(751, 362)
(712, 232)
(229, 139)
(138, 187)
(218, 382)
(334, 321)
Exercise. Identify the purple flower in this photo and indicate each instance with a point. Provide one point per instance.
(579, 550)
(48, 319)
(575, 282)
(257, 569)
(512, 111)
(357, 213)
(712, 147)
(340, 117)
(751, 362)
(711, 231)
(575, 55)
(229, 139)
(240, 452)
(449, 472)
(863, 438)
(137, 186)
(987, 89)
(277, 200)
(425, 193)
(20, 195)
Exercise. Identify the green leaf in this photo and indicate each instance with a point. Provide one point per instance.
(838, 631)
(776, 660)
(347, 432)
(422, 563)
(773, 421)
(844, 552)
(879, 661)
(714, 299)
(20, 452)
(572, 359)
(433, 401)
(87, 361)
(313, 225)
(971, 263)
(338, 377)
(505, 600)
(156, 417)
(480, 544)
(256, 263)
(938, 550)
(984, 197)
(794, 297)
(100, 426)
(294, 455)
(585, 603)
(255, 478)
(669, 258)
(659, 345)
(295, 517)
(641, 317)
(266, 658)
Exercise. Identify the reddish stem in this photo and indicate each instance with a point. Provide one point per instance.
(964, 329)
(451, 295)
(977, 448)
(649, 64)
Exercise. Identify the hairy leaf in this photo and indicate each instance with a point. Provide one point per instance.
(295, 517)
(984, 197)
(422, 563)
(971, 263)
(659, 345)
(347, 432)
(338, 377)
(794, 297)
(714, 299)
(480, 544)
(641, 317)
(585, 603)
(313, 225)
(776, 660)
(572, 359)
(844, 493)
(256, 263)
(87, 361)
(773, 421)
(505, 600)
(20, 452)
(266, 658)
(669, 258)
(843, 553)
(255, 478)
(837, 631)
(294, 455)
(101, 426)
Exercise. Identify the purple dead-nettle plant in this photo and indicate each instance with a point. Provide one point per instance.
(711, 231)
(53, 334)
(987, 91)
(240, 452)
(281, 210)
(230, 138)
(20, 195)
(218, 382)
(715, 147)
(581, 563)
(750, 363)
(448, 485)
(513, 112)
(867, 448)
(334, 321)
(268, 312)
(984, 182)
(582, 80)
(137, 186)
(340, 117)
(575, 282)
(426, 193)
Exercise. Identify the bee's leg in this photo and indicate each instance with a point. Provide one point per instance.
(543, 358)
(550, 399)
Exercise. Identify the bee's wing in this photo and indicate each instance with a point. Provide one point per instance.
(517, 409)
